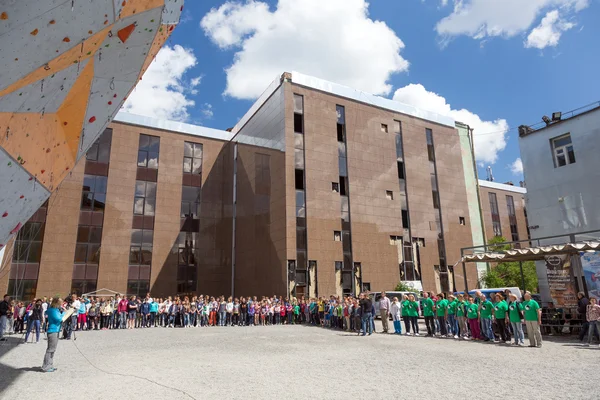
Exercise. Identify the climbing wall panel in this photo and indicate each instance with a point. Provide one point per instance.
(66, 68)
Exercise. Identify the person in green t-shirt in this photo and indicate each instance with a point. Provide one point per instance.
(533, 320)
(404, 313)
(452, 321)
(485, 312)
(461, 316)
(428, 314)
(515, 316)
(413, 314)
(441, 308)
(501, 316)
(473, 316)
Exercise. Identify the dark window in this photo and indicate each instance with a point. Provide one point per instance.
(405, 219)
(497, 227)
(298, 123)
(461, 220)
(100, 150)
(340, 133)
(436, 199)
(140, 252)
(400, 170)
(93, 195)
(149, 147)
(335, 187)
(299, 179)
(190, 201)
(343, 186)
(87, 249)
(384, 128)
(337, 236)
(300, 238)
(389, 195)
(338, 265)
(510, 202)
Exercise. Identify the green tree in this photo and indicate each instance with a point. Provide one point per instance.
(508, 274)
(403, 287)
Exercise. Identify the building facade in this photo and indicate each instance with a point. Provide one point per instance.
(318, 190)
(561, 166)
(504, 212)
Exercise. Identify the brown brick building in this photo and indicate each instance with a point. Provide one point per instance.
(504, 213)
(319, 189)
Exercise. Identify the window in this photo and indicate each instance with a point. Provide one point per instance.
(298, 103)
(419, 241)
(337, 236)
(299, 174)
(496, 226)
(87, 249)
(140, 252)
(397, 126)
(436, 199)
(343, 186)
(340, 133)
(300, 204)
(430, 149)
(384, 128)
(145, 198)
(563, 150)
(192, 158)
(335, 187)
(395, 240)
(461, 220)
(298, 128)
(510, 202)
(389, 195)
(300, 241)
(299, 158)
(28, 245)
(190, 201)
(338, 265)
(341, 122)
(512, 217)
(148, 151)
(93, 195)
(100, 150)
(400, 170)
(405, 219)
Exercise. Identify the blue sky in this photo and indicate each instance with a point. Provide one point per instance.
(495, 64)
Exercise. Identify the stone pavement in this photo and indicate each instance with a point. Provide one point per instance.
(292, 362)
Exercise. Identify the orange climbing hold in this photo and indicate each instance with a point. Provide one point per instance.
(124, 33)
(34, 32)
(52, 22)
(124, 3)
(66, 40)
(4, 15)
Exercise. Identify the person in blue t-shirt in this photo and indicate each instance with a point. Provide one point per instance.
(54, 317)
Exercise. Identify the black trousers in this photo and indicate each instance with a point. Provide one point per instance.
(406, 320)
(430, 324)
(503, 332)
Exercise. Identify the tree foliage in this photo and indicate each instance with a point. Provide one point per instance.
(508, 274)
(403, 287)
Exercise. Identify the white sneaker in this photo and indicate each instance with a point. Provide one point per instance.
(455, 336)
(466, 338)
(416, 334)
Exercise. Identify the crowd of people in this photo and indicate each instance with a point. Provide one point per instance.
(460, 316)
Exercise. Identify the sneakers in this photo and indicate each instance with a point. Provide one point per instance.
(50, 370)
(586, 345)
(417, 334)
(455, 336)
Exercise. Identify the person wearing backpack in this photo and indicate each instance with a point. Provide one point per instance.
(515, 316)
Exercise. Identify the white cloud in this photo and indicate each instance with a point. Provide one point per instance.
(489, 135)
(517, 167)
(333, 39)
(161, 93)
(207, 111)
(548, 32)
(487, 18)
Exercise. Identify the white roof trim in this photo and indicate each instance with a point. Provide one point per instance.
(502, 186)
(364, 97)
(173, 126)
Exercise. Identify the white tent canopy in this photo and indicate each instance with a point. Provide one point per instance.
(532, 253)
(102, 293)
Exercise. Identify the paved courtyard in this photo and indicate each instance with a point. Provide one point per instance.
(294, 362)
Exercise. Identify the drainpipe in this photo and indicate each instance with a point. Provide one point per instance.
(472, 141)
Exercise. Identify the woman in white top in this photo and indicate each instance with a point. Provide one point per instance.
(229, 310)
(396, 311)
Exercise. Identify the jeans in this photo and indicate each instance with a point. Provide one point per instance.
(3, 322)
(152, 319)
(453, 324)
(366, 323)
(50, 350)
(171, 319)
(584, 329)
(244, 319)
(122, 320)
(430, 324)
(593, 326)
(31, 324)
(517, 328)
(488, 332)
(462, 324)
(443, 327)
(222, 318)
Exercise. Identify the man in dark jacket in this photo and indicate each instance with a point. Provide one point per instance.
(4, 306)
(366, 306)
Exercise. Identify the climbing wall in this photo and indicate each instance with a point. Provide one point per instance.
(66, 67)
